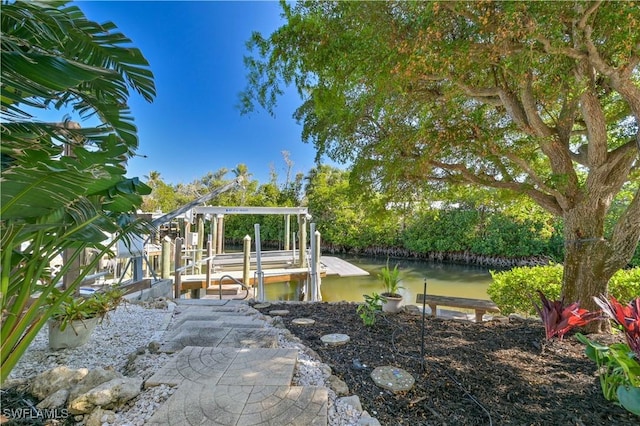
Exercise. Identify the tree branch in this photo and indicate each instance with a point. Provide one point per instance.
(531, 111)
(625, 236)
(544, 200)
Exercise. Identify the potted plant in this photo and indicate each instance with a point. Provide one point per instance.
(391, 282)
(75, 318)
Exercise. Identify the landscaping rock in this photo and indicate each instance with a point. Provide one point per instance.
(338, 385)
(99, 416)
(93, 379)
(367, 420)
(55, 400)
(303, 321)
(107, 395)
(154, 347)
(335, 339)
(279, 312)
(55, 379)
(352, 400)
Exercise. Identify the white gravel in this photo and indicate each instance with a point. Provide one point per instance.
(121, 342)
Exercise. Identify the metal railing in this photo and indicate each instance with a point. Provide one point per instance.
(244, 287)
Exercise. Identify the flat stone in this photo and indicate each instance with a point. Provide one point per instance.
(393, 378)
(262, 305)
(335, 339)
(303, 321)
(279, 312)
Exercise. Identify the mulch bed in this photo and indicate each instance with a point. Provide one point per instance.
(472, 374)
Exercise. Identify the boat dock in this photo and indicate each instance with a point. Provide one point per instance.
(228, 273)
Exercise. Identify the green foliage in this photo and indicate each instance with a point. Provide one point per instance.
(369, 310)
(442, 231)
(69, 308)
(512, 290)
(625, 284)
(390, 280)
(485, 233)
(619, 372)
(63, 187)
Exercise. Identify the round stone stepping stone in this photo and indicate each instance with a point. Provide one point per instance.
(303, 321)
(279, 312)
(262, 305)
(393, 378)
(335, 339)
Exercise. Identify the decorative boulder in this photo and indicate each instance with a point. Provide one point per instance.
(108, 395)
(55, 379)
(55, 400)
(93, 379)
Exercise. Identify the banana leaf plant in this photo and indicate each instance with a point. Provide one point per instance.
(63, 188)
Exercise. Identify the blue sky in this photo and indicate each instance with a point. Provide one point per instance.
(196, 51)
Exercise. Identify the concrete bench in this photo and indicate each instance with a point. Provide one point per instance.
(481, 307)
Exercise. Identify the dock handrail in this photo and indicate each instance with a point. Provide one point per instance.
(246, 289)
(194, 264)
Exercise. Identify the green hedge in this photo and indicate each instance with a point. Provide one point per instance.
(512, 290)
(491, 234)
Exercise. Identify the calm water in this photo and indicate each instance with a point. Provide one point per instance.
(442, 279)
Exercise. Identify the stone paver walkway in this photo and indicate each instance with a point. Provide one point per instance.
(229, 371)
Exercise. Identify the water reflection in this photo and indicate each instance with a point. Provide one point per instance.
(442, 279)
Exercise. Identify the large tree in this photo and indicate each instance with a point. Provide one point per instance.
(541, 98)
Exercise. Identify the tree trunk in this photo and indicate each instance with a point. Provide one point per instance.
(586, 255)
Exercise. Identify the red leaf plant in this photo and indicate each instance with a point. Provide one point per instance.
(627, 317)
(558, 319)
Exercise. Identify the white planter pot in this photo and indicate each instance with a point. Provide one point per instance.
(75, 334)
(392, 305)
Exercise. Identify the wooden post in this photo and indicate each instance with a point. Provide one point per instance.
(166, 258)
(303, 240)
(259, 273)
(214, 233)
(246, 249)
(287, 231)
(178, 265)
(200, 243)
(316, 262)
(312, 282)
(209, 262)
(73, 272)
(220, 240)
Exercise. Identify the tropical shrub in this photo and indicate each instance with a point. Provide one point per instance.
(619, 363)
(63, 188)
(369, 310)
(512, 290)
(558, 318)
(625, 284)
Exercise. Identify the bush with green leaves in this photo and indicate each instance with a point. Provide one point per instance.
(512, 290)
(370, 308)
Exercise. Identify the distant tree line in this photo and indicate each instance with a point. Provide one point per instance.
(462, 225)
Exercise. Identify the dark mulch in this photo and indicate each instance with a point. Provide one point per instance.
(474, 374)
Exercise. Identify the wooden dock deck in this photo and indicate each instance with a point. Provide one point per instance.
(230, 275)
(340, 267)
